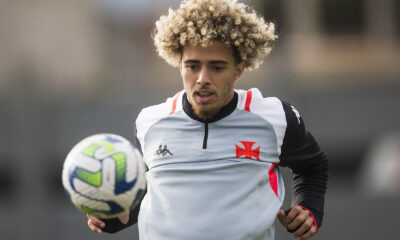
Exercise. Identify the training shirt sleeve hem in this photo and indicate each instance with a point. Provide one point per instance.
(114, 225)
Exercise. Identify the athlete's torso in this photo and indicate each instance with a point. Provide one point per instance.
(213, 180)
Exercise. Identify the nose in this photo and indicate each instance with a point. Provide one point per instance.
(203, 77)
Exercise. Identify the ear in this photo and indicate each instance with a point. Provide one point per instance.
(239, 69)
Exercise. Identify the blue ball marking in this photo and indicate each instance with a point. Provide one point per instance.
(113, 139)
(138, 197)
(123, 186)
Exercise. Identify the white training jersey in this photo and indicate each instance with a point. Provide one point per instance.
(212, 180)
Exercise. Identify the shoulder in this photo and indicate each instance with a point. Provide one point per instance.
(283, 117)
(253, 101)
(170, 106)
(269, 108)
(152, 114)
(295, 124)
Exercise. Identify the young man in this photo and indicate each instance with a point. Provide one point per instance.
(219, 175)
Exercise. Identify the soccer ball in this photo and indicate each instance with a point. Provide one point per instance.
(104, 175)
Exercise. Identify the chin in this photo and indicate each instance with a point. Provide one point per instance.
(205, 113)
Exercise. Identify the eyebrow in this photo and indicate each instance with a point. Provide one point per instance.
(211, 62)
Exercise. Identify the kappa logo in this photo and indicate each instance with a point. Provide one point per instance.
(163, 151)
(248, 151)
(297, 113)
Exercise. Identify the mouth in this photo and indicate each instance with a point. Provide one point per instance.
(203, 96)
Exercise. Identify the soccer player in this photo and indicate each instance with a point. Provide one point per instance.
(213, 152)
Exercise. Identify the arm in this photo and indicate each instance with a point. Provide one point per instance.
(114, 225)
(301, 153)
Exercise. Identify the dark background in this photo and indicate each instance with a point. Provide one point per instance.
(73, 68)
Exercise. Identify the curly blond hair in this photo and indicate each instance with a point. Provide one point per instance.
(200, 22)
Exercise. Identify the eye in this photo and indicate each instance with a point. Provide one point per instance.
(218, 68)
(192, 67)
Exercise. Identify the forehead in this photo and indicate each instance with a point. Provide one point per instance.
(215, 51)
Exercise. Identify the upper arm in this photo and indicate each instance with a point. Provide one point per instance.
(300, 152)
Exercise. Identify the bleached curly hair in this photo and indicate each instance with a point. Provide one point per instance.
(200, 22)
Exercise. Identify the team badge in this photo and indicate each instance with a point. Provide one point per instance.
(247, 150)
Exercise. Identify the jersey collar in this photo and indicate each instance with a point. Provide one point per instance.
(223, 112)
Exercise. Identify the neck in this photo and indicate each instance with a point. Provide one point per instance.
(210, 116)
(205, 115)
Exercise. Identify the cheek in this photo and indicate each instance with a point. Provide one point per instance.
(185, 80)
(188, 85)
(188, 79)
(229, 83)
(228, 88)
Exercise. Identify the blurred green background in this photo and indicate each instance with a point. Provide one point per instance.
(73, 68)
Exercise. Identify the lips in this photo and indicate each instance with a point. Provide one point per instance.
(203, 96)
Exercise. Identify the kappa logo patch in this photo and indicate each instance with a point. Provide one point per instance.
(247, 150)
(163, 151)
